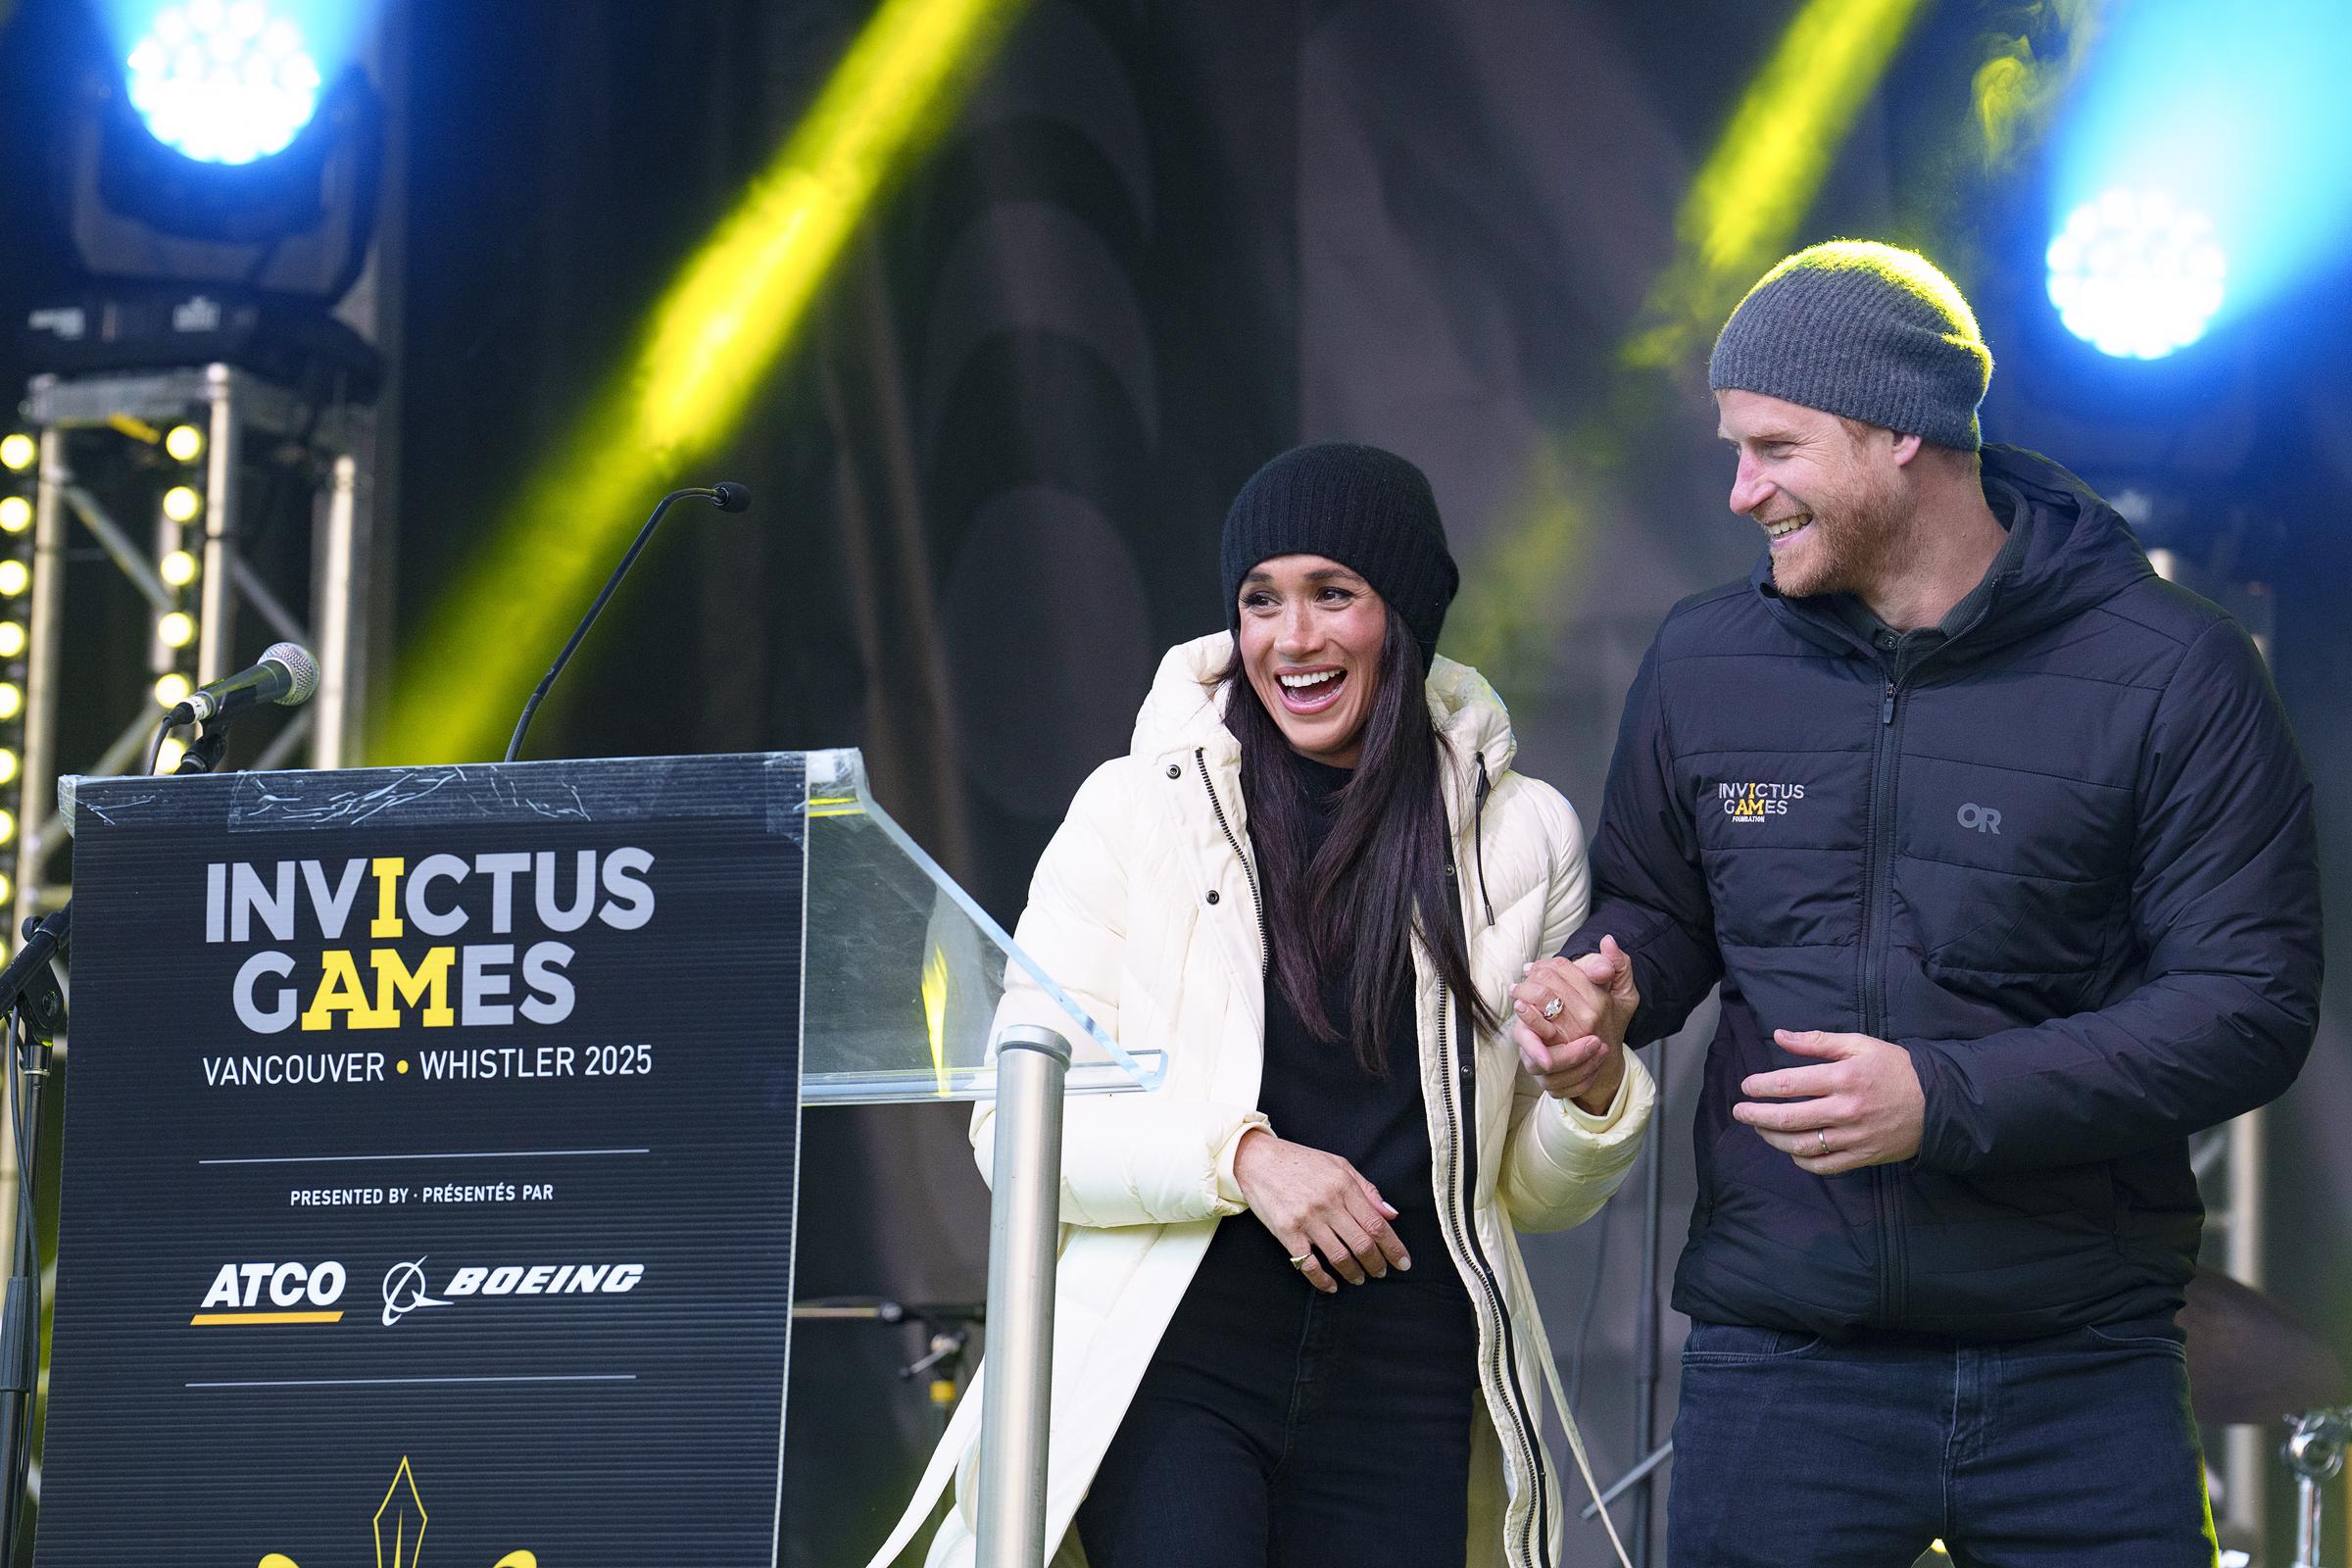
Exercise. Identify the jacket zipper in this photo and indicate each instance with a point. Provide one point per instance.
(1502, 1363)
(1877, 892)
(1266, 938)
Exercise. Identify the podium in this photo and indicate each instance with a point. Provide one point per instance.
(431, 1153)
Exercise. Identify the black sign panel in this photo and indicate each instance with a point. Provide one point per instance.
(428, 1168)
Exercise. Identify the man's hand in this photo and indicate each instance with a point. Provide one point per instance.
(1578, 1052)
(1327, 1217)
(1861, 1106)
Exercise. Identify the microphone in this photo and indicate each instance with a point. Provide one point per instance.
(726, 495)
(286, 675)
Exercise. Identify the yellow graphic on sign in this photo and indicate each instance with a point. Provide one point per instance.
(399, 1521)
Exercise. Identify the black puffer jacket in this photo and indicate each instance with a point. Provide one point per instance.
(2066, 860)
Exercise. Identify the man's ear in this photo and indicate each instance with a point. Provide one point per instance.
(1906, 448)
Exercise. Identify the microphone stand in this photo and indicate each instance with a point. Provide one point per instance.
(35, 1006)
(727, 497)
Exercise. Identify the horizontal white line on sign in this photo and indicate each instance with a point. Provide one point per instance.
(494, 1153)
(343, 1383)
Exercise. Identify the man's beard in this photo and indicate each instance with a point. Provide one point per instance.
(1852, 544)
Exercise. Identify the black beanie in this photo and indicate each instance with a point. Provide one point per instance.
(1368, 509)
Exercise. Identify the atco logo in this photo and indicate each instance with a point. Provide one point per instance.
(1979, 818)
(272, 1293)
(1757, 801)
(408, 1288)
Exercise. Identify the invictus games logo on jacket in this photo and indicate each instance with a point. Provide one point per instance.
(1755, 801)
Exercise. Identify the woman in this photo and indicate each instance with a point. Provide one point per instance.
(1313, 883)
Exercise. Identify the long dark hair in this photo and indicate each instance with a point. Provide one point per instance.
(1380, 877)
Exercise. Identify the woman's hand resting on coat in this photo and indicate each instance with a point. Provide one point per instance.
(1319, 1208)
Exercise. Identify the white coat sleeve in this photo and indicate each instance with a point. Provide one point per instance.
(1561, 1163)
(1126, 1159)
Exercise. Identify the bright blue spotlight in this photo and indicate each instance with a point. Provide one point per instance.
(223, 80)
(2136, 275)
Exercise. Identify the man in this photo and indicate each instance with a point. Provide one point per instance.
(2003, 853)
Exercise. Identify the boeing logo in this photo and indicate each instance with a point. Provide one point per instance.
(404, 1291)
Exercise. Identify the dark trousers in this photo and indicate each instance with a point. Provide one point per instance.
(1281, 1428)
(2077, 1449)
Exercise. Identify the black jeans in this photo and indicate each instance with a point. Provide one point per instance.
(2071, 1451)
(1281, 1428)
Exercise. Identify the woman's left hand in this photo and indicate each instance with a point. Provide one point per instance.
(1578, 1052)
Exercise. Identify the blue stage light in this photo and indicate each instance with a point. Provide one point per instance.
(2136, 274)
(224, 81)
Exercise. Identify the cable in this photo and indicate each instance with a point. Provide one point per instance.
(156, 753)
(1584, 1322)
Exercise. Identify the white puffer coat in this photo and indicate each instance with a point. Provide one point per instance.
(1146, 908)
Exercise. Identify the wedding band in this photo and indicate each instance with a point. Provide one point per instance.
(1300, 1261)
(1823, 1138)
(1551, 1009)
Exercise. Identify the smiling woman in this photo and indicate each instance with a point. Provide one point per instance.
(1311, 884)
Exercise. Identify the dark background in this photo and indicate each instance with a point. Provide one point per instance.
(1160, 243)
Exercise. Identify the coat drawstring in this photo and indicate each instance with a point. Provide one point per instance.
(1478, 836)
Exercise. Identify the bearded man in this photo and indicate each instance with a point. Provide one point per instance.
(2001, 852)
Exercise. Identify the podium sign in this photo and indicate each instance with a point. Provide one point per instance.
(428, 1167)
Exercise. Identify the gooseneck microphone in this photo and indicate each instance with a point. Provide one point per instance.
(726, 495)
(286, 675)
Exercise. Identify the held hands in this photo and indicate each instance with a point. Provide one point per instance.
(1860, 1106)
(1327, 1217)
(1571, 1023)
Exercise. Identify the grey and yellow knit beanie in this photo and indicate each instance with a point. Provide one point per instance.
(1863, 329)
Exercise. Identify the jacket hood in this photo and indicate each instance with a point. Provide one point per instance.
(1186, 706)
(2080, 553)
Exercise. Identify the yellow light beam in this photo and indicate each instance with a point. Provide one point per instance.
(1744, 206)
(716, 334)
(1741, 214)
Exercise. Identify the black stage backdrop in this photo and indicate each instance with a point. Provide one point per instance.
(1163, 242)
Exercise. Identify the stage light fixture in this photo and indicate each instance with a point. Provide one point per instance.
(12, 639)
(224, 83)
(177, 567)
(8, 889)
(181, 503)
(176, 630)
(17, 452)
(171, 689)
(8, 767)
(12, 699)
(15, 514)
(14, 578)
(2136, 274)
(167, 758)
(8, 825)
(185, 443)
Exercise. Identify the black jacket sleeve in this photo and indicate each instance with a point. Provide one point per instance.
(1648, 889)
(2225, 904)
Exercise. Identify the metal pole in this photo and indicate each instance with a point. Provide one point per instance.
(330, 711)
(216, 648)
(1645, 1330)
(2245, 1449)
(1023, 1230)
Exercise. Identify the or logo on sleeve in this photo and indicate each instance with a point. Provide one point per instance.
(1979, 818)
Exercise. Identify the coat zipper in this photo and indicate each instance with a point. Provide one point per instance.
(1877, 892)
(1266, 938)
(1502, 1362)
